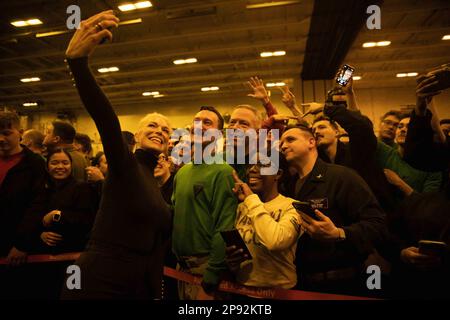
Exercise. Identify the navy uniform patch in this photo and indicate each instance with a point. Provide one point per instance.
(319, 204)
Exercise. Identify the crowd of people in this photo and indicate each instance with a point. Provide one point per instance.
(374, 200)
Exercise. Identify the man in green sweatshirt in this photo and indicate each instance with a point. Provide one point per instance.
(204, 205)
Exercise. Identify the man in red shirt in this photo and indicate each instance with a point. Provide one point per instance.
(21, 178)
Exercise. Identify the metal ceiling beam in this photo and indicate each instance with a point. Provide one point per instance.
(203, 33)
(246, 75)
(124, 59)
(180, 70)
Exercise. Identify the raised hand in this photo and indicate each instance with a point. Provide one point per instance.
(288, 97)
(427, 86)
(348, 88)
(241, 189)
(91, 32)
(259, 91)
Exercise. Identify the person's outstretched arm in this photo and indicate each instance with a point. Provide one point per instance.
(91, 32)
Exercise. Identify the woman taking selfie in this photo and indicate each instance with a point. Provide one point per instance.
(124, 257)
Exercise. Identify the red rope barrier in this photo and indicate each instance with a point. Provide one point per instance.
(226, 286)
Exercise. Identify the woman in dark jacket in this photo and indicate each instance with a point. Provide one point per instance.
(63, 215)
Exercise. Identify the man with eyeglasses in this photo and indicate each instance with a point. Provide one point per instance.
(388, 126)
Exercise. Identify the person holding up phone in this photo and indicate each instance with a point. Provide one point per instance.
(270, 227)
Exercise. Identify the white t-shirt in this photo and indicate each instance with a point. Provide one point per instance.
(270, 231)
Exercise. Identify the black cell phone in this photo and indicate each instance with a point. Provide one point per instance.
(233, 238)
(432, 248)
(344, 75)
(305, 207)
(443, 78)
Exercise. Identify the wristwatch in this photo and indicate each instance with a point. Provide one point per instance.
(56, 217)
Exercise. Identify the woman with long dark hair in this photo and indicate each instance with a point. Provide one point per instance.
(66, 210)
(124, 257)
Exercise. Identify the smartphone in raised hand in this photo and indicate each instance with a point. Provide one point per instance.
(344, 75)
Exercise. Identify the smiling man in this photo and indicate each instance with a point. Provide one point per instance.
(204, 205)
(350, 221)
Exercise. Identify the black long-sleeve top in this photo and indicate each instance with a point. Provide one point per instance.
(345, 198)
(421, 152)
(360, 153)
(78, 203)
(132, 213)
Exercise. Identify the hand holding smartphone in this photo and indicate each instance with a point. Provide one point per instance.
(305, 207)
(233, 238)
(432, 248)
(344, 75)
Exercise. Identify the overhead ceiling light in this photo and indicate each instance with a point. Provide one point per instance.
(446, 37)
(356, 78)
(51, 33)
(184, 61)
(279, 53)
(110, 69)
(275, 84)
(204, 89)
(34, 22)
(159, 95)
(408, 74)
(133, 6)
(30, 79)
(154, 93)
(383, 43)
(270, 4)
(376, 44)
(272, 54)
(266, 54)
(30, 104)
(369, 44)
(143, 4)
(19, 23)
(26, 23)
(132, 21)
